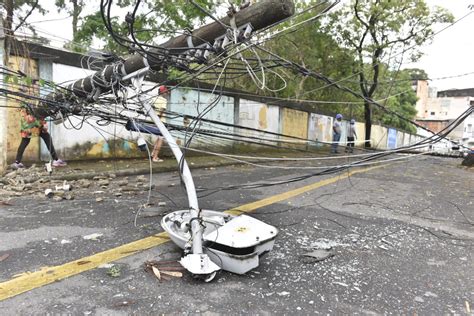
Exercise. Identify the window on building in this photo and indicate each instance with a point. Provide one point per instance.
(432, 113)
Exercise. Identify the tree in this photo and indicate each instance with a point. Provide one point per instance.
(397, 95)
(74, 11)
(311, 47)
(377, 30)
(21, 9)
(417, 74)
(154, 21)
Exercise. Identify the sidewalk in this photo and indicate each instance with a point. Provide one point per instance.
(76, 170)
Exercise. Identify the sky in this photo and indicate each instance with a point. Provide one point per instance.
(451, 52)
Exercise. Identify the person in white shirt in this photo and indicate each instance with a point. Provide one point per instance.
(351, 136)
(336, 135)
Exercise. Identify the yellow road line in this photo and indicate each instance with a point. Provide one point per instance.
(30, 280)
(289, 194)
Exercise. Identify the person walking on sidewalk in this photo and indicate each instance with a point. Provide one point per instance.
(351, 136)
(160, 106)
(336, 135)
(31, 126)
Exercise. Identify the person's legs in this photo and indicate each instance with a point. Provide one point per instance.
(350, 143)
(335, 139)
(49, 144)
(21, 149)
(156, 148)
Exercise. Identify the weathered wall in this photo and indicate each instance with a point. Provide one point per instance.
(3, 119)
(294, 123)
(406, 139)
(360, 131)
(320, 127)
(30, 68)
(193, 103)
(85, 140)
(400, 136)
(259, 116)
(378, 137)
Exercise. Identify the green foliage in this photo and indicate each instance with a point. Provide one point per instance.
(155, 20)
(381, 34)
(315, 49)
(399, 96)
(417, 74)
(114, 271)
(22, 9)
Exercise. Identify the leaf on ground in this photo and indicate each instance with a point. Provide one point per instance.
(4, 256)
(173, 273)
(156, 272)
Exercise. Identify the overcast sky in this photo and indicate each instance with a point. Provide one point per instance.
(451, 52)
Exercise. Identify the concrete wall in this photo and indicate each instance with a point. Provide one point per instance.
(320, 127)
(294, 123)
(3, 119)
(360, 131)
(84, 140)
(259, 116)
(195, 103)
(30, 68)
(378, 137)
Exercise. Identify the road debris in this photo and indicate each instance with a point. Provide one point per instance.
(64, 187)
(156, 272)
(114, 271)
(94, 236)
(124, 303)
(318, 255)
(4, 256)
(105, 266)
(164, 270)
(419, 299)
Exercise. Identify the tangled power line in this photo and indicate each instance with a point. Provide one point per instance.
(218, 64)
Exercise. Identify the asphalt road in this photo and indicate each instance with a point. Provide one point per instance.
(402, 237)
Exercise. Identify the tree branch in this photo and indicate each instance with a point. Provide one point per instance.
(26, 17)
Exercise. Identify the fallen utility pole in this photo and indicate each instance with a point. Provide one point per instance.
(211, 240)
(258, 16)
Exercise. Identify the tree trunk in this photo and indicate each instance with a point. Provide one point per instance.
(368, 123)
(7, 27)
(76, 11)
